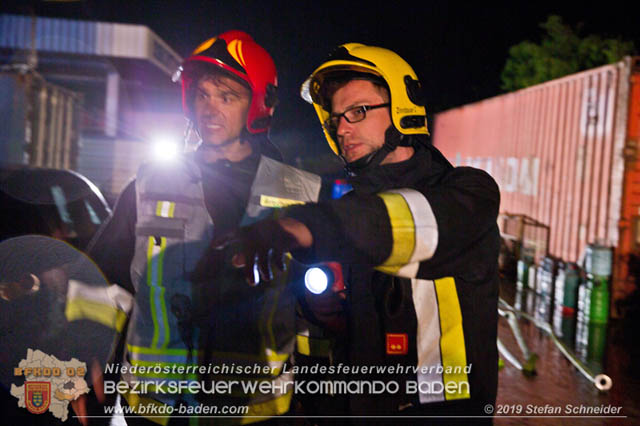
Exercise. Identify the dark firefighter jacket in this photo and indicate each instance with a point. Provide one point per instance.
(419, 243)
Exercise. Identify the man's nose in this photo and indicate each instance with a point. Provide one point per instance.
(211, 106)
(343, 126)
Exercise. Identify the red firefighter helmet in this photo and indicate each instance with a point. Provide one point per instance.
(236, 53)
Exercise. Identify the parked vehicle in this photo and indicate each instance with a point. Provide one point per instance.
(57, 203)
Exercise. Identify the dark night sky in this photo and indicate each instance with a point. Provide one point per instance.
(457, 49)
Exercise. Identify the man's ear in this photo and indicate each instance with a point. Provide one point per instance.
(271, 98)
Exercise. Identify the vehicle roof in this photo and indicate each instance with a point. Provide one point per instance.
(32, 184)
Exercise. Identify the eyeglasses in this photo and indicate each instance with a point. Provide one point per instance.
(352, 115)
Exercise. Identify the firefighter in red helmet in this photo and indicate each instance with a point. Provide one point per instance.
(232, 57)
(164, 222)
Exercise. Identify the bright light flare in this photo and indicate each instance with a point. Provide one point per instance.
(165, 149)
(316, 280)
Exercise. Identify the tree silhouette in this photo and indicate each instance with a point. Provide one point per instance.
(562, 51)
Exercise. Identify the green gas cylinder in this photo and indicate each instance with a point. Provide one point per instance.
(598, 263)
(599, 306)
(570, 291)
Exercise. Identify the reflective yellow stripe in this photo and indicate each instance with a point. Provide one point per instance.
(277, 202)
(312, 346)
(155, 261)
(157, 351)
(414, 230)
(273, 407)
(162, 375)
(135, 401)
(403, 231)
(452, 340)
(232, 355)
(150, 282)
(280, 285)
(78, 309)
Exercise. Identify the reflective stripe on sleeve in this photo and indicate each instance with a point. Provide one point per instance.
(272, 360)
(414, 230)
(108, 306)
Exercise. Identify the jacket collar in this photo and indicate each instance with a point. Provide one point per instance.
(426, 166)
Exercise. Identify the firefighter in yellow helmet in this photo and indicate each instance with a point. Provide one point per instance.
(400, 91)
(417, 239)
(162, 226)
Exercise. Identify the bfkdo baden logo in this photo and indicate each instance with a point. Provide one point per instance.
(37, 396)
(49, 383)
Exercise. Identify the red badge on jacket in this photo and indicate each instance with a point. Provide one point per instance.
(397, 343)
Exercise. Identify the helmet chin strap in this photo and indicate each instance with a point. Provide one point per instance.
(392, 139)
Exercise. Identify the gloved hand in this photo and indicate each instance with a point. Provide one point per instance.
(264, 245)
(328, 308)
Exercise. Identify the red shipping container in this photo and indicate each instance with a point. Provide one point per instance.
(565, 153)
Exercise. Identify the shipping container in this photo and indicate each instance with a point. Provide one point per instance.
(564, 153)
(40, 122)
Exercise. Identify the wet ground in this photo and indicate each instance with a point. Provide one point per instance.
(559, 394)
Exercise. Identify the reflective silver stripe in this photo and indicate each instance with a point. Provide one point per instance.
(409, 270)
(164, 208)
(112, 295)
(426, 228)
(414, 231)
(107, 305)
(440, 342)
(121, 297)
(428, 337)
(161, 226)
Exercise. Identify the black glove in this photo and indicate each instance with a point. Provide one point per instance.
(261, 245)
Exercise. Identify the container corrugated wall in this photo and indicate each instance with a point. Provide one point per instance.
(552, 149)
(41, 122)
(557, 151)
(54, 126)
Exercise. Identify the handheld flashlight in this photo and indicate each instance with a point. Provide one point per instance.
(318, 278)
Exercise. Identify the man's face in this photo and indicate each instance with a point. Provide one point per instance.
(364, 137)
(221, 106)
